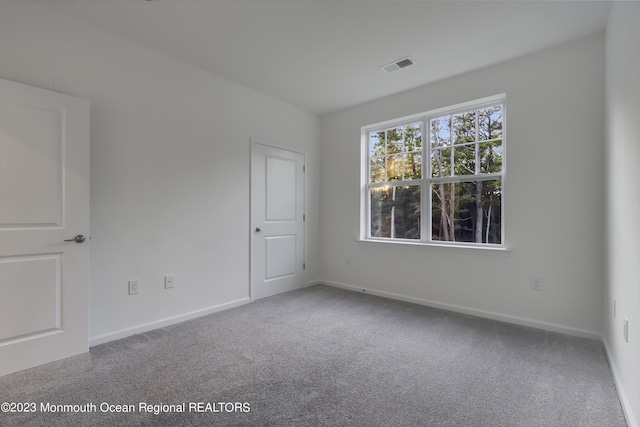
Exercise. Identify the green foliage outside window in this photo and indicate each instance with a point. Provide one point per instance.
(464, 178)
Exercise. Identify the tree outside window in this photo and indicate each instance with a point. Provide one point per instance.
(454, 197)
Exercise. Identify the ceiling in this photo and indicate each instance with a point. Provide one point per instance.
(324, 55)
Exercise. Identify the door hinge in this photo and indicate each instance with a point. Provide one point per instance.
(304, 265)
(304, 217)
(304, 168)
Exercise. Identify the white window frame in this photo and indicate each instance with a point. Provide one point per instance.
(427, 180)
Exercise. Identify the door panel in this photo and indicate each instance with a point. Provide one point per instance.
(277, 220)
(37, 201)
(280, 252)
(280, 194)
(34, 282)
(44, 200)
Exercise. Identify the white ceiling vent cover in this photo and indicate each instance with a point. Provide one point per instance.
(397, 65)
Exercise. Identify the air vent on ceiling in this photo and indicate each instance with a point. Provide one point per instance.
(397, 65)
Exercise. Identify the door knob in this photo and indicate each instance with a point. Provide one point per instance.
(78, 239)
(258, 229)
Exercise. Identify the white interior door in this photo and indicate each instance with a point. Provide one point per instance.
(277, 220)
(44, 200)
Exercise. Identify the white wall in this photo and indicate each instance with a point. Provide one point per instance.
(554, 197)
(170, 157)
(623, 201)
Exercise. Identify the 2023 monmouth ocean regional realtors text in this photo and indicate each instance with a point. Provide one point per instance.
(154, 408)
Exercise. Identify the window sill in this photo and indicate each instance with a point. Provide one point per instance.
(454, 247)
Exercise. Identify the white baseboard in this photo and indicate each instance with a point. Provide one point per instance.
(471, 311)
(123, 333)
(624, 399)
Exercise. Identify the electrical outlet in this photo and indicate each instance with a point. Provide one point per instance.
(349, 259)
(134, 287)
(169, 281)
(536, 283)
(625, 330)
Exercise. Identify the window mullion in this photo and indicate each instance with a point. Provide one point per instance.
(425, 199)
(476, 147)
(452, 145)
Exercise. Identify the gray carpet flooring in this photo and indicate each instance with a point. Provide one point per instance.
(328, 357)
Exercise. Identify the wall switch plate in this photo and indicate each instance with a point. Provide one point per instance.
(134, 287)
(536, 283)
(169, 281)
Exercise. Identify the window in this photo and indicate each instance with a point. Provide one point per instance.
(438, 177)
